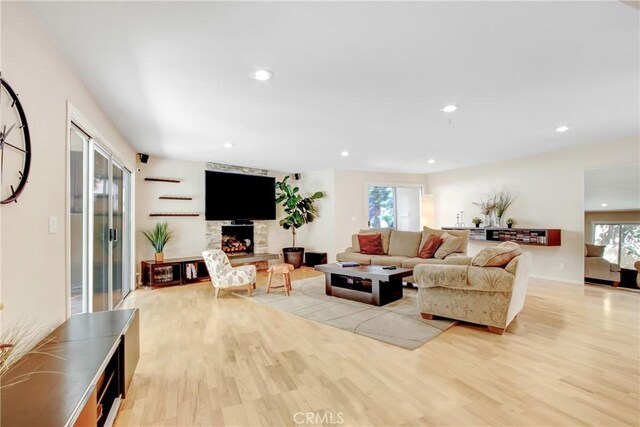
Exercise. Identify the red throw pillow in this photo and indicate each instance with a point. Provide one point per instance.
(370, 244)
(430, 247)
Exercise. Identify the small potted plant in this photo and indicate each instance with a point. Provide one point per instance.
(510, 222)
(159, 236)
(299, 211)
(477, 221)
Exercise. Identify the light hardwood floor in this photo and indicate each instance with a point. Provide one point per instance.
(570, 358)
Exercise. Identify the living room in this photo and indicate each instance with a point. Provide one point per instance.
(407, 118)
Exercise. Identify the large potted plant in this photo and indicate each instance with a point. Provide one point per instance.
(159, 236)
(299, 211)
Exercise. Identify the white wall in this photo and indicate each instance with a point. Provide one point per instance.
(34, 283)
(550, 194)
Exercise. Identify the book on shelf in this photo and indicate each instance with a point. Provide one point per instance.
(348, 264)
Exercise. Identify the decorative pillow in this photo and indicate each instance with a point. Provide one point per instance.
(370, 244)
(595, 250)
(404, 243)
(385, 232)
(449, 245)
(497, 256)
(464, 234)
(430, 247)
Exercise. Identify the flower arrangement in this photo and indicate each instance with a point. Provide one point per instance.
(477, 221)
(503, 200)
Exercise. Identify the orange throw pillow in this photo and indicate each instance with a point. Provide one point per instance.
(370, 244)
(430, 247)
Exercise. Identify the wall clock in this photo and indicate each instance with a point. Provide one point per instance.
(15, 146)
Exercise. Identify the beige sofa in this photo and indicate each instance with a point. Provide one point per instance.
(402, 247)
(490, 296)
(596, 267)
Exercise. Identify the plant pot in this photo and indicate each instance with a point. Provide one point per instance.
(477, 225)
(509, 225)
(159, 256)
(293, 256)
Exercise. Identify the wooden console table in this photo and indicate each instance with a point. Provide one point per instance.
(78, 377)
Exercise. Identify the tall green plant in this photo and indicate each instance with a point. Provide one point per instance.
(299, 210)
(159, 236)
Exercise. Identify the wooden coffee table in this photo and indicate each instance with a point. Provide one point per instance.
(370, 284)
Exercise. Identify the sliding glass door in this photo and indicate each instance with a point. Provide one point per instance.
(100, 273)
(391, 206)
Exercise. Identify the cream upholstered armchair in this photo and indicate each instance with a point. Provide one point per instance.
(490, 296)
(224, 276)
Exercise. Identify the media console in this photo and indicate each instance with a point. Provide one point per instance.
(79, 374)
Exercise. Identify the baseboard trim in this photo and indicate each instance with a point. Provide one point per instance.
(558, 279)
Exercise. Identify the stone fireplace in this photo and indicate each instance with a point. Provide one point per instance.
(237, 239)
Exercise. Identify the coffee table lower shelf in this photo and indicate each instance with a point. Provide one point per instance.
(367, 284)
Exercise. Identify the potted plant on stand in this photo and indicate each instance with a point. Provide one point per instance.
(299, 211)
(477, 221)
(510, 222)
(159, 236)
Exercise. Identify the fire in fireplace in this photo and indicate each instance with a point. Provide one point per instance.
(237, 239)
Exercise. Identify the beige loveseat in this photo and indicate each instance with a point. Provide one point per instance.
(402, 247)
(490, 296)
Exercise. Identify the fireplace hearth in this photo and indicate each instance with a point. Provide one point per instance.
(237, 239)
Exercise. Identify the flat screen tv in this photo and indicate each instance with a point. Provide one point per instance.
(237, 196)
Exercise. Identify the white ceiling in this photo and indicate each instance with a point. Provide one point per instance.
(367, 77)
(618, 187)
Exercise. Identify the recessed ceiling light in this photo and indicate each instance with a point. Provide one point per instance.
(344, 153)
(449, 108)
(262, 75)
(228, 144)
(431, 161)
(604, 205)
(562, 128)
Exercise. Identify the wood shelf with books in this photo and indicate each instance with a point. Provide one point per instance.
(522, 236)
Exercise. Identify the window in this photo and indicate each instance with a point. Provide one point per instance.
(622, 241)
(394, 207)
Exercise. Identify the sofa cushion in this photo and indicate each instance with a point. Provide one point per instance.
(464, 234)
(453, 259)
(430, 247)
(388, 260)
(594, 250)
(354, 257)
(404, 243)
(497, 256)
(384, 232)
(370, 244)
(449, 245)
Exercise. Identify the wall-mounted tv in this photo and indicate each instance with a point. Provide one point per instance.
(238, 196)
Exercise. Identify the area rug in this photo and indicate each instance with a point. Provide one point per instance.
(398, 323)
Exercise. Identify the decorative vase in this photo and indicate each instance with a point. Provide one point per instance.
(159, 256)
(488, 221)
(499, 222)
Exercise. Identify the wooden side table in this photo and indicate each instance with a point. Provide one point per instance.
(283, 269)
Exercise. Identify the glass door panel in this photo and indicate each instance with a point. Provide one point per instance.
(630, 245)
(101, 228)
(116, 235)
(382, 207)
(79, 146)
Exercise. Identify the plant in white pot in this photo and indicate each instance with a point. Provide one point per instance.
(299, 211)
(159, 236)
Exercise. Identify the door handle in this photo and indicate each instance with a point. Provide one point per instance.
(113, 234)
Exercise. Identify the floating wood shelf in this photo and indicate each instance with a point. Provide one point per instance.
(522, 236)
(175, 198)
(174, 214)
(161, 179)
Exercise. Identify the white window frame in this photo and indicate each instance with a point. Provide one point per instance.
(395, 186)
(620, 223)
